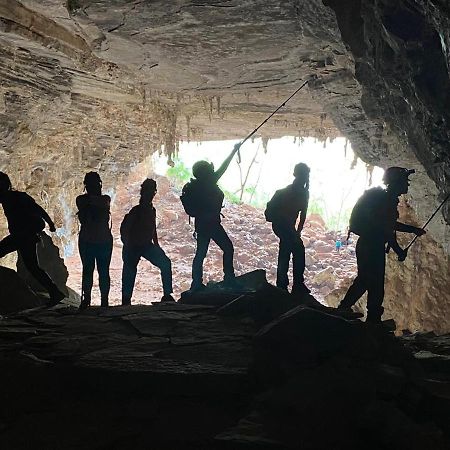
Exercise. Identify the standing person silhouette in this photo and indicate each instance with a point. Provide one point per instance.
(283, 211)
(26, 221)
(374, 218)
(203, 200)
(95, 241)
(140, 239)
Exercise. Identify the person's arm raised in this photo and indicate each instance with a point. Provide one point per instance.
(221, 170)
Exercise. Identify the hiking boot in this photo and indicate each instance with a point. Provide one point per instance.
(231, 283)
(284, 288)
(300, 289)
(85, 303)
(55, 297)
(104, 303)
(197, 287)
(167, 298)
(126, 301)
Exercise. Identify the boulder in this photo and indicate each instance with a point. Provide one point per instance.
(15, 295)
(50, 261)
(325, 277)
(262, 306)
(302, 337)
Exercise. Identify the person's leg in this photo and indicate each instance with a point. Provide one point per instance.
(200, 255)
(27, 250)
(87, 255)
(359, 285)
(156, 256)
(7, 246)
(375, 282)
(284, 255)
(298, 261)
(221, 238)
(130, 258)
(103, 257)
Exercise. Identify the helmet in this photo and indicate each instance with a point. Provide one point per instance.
(301, 170)
(92, 178)
(149, 184)
(202, 168)
(5, 182)
(393, 174)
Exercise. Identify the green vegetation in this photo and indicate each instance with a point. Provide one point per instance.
(337, 222)
(179, 174)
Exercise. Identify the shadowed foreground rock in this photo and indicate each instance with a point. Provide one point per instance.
(15, 295)
(179, 376)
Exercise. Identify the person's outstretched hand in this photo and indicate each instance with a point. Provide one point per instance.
(402, 254)
(237, 146)
(52, 227)
(419, 231)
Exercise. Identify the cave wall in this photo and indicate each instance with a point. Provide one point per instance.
(99, 85)
(401, 61)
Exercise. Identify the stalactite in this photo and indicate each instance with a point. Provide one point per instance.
(188, 127)
(219, 111)
(369, 171)
(265, 142)
(354, 162)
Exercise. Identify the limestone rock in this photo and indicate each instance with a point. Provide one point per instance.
(15, 295)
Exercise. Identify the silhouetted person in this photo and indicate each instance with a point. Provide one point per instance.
(140, 239)
(338, 244)
(283, 211)
(374, 218)
(203, 200)
(26, 221)
(95, 241)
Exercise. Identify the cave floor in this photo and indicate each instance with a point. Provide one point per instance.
(123, 377)
(174, 376)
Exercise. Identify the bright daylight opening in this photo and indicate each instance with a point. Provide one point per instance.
(337, 179)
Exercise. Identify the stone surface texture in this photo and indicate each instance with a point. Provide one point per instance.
(98, 85)
(182, 376)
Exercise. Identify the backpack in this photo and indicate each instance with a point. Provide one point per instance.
(273, 208)
(126, 227)
(367, 215)
(199, 200)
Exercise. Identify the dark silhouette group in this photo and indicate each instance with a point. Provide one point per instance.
(374, 219)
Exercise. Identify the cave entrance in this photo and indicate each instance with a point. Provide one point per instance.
(338, 178)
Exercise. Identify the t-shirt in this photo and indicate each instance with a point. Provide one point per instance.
(289, 202)
(139, 225)
(23, 214)
(94, 214)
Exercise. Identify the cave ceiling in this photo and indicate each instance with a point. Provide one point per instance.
(99, 84)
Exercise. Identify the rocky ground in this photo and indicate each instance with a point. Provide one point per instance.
(222, 370)
(256, 247)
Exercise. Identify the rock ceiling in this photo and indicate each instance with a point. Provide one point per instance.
(99, 84)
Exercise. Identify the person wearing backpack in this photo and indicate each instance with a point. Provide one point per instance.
(203, 199)
(95, 241)
(283, 211)
(140, 240)
(375, 219)
(26, 222)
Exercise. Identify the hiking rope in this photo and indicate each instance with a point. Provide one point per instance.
(429, 220)
(272, 114)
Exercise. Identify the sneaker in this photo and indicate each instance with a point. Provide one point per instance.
(56, 297)
(167, 298)
(300, 289)
(84, 305)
